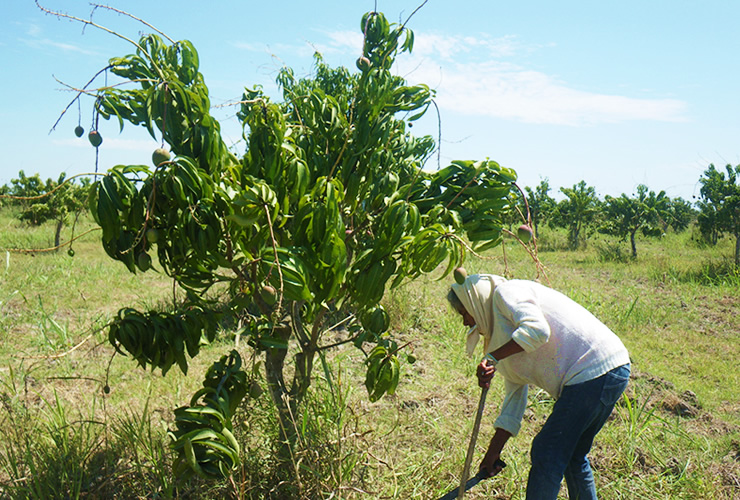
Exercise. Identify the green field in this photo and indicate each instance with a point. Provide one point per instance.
(675, 435)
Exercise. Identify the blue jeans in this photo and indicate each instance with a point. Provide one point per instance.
(561, 446)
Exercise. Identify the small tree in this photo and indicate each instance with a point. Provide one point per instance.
(577, 213)
(327, 207)
(4, 193)
(720, 205)
(645, 212)
(25, 188)
(541, 204)
(708, 221)
(680, 214)
(51, 200)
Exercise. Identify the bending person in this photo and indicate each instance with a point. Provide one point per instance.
(535, 335)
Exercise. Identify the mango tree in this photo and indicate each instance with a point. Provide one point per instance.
(577, 213)
(328, 207)
(719, 206)
(541, 204)
(681, 214)
(41, 201)
(646, 212)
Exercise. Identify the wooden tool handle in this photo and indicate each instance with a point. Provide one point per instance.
(471, 446)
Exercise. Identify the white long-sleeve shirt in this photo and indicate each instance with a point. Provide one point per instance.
(563, 344)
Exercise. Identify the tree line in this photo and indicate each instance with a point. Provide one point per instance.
(581, 212)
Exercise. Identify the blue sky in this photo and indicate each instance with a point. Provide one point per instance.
(613, 93)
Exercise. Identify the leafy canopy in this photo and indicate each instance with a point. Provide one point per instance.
(578, 212)
(30, 193)
(645, 212)
(720, 204)
(328, 206)
(541, 204)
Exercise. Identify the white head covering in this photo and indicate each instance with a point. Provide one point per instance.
(476, 295)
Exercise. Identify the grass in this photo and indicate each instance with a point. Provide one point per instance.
(675, 434)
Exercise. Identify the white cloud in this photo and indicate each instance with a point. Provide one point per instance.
(430, 45)
(469, 82)
(345, 41)
(450, 47)
(33, 30)
(35, 39)
(66, 47)
(509, 91)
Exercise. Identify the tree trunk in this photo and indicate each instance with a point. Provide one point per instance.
(737, 250)
(58, 234)
(302, 378)
(574, 231)
(304, 359)
(289, 401)
(632, 241)
(274, 363)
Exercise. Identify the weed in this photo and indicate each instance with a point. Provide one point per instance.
(610, 251)
(54, 334)
(53, 457)
(147, 449)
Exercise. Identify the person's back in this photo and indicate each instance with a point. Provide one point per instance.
(563, 343)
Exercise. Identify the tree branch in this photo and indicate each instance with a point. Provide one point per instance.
(77, 97)
(136, 19)
(44, 195)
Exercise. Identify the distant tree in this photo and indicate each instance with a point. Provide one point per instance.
(4, 192)
(578, 213)
(25, 187)
(645, 212)
(720, 205)
(680, 214)
(63, 198)
(707, 219)
(541, 204)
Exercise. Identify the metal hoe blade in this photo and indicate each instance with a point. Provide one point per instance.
(453, 493)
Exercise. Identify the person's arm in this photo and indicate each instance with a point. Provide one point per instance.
(499, 439)
(506, 350)
(507, 425)
(519, 306)
(485, 370)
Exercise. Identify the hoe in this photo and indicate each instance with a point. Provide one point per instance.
(465, 483)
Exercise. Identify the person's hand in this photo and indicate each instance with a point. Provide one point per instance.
(491, 465)
(485, 374)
